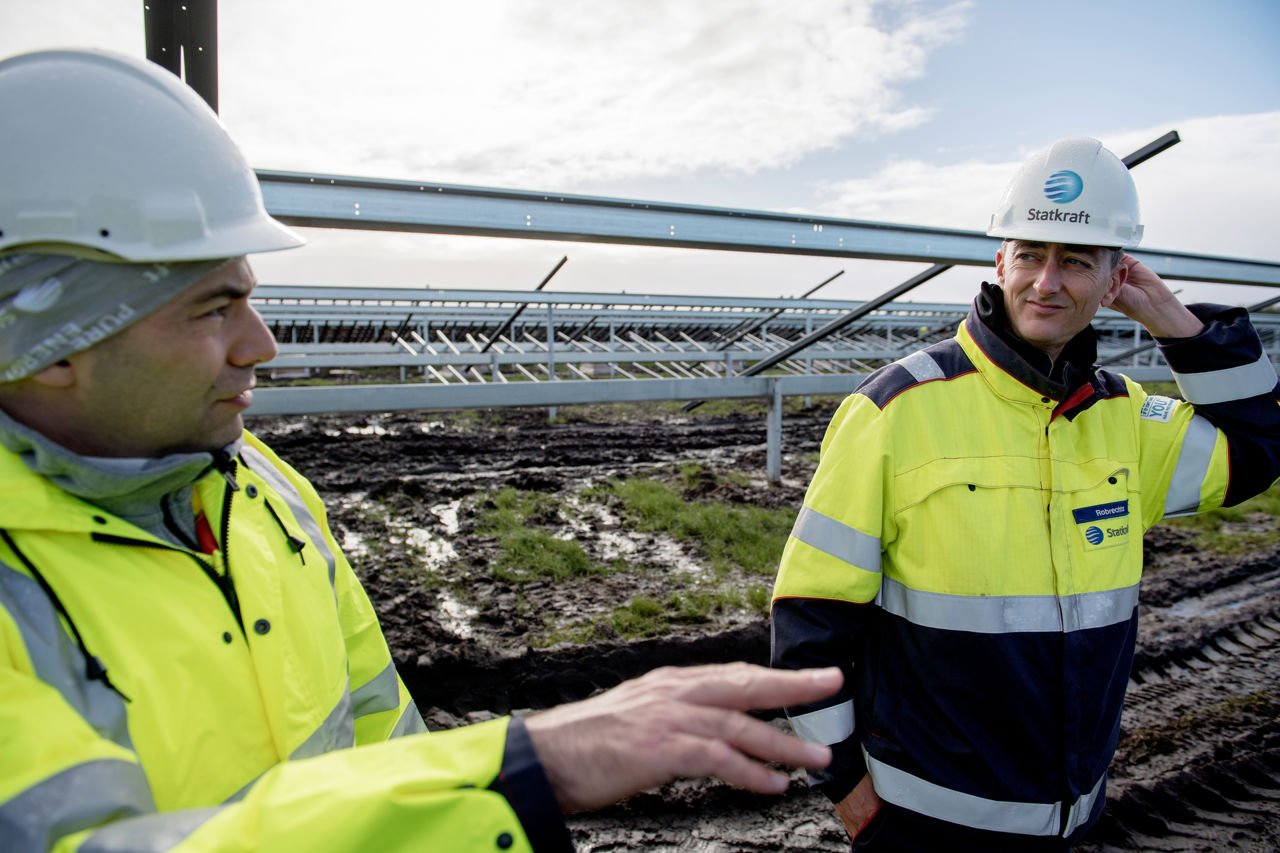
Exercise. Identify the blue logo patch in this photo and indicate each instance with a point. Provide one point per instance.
(1093, 535)
(1063, 187)
(1101, 512)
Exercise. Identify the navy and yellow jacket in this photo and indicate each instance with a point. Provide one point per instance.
(154, 697)
(970, 549)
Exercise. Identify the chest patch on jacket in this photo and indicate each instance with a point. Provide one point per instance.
(1103, 525)
(1157, 409)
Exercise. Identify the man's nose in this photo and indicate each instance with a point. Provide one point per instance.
(1049, 281)
(254, 342)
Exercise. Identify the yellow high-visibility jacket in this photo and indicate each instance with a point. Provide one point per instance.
(234, 684)
(970, 550)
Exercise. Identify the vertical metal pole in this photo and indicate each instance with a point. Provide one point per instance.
(426, 336)
(551, 353)
(808, 359)
(773, 452)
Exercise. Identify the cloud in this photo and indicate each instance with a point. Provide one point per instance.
(570, 93)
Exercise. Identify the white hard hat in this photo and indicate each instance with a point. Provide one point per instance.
(1074, 192)
(105, 152)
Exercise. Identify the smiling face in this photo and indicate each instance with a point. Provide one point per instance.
(1053, 290)
(177, 380)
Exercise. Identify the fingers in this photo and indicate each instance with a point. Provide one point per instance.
(746, 687)
(677, 722)
(752, 737)
(704, 757)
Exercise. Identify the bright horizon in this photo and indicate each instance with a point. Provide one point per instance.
(906, 111)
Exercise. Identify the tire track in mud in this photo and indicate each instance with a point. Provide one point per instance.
(1198, 764)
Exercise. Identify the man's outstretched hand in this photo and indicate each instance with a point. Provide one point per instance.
(677, 722)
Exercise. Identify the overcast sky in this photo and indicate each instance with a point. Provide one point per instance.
(910, 111)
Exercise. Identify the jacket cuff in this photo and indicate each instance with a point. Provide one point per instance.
(525, 785)
(1227, 339)
(847, 767)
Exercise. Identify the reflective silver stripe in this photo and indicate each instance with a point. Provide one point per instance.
(57, 661)
(382, 693)
(920, 365)
(826, 726)
(410, 722)
(336, 732)
(920, 795)
(1231, 383)
(1193, 465)
(837, 539)
(156, 832)
(1005, 614)
(1083, 807)
(262, 466)
(75, 799)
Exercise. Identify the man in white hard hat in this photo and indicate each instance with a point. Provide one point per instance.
(186, 658)
(970, 547)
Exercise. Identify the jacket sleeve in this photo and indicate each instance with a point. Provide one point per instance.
(828, 578)
(65, 787)
(1222, 445)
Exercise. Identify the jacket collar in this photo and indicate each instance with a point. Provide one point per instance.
(988, 325)
(132, 489)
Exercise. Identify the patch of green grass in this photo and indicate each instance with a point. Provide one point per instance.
(1219, 530)
(695, 474)
(644, 616)
(641, 617)
(728, 535)
(759, 598)
(526, 552)
(528, 555)
(510, 509)
(648, 617)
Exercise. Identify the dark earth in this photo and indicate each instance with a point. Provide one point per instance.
(1198, 765)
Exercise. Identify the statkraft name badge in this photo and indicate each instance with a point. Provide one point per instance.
(1103, 525)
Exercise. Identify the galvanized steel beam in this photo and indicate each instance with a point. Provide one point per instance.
(331, 201)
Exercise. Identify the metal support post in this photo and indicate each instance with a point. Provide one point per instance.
(551, 341)
(808, 359)
(773, 452)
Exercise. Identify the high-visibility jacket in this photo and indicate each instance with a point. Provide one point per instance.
(971, 546)
(233, 683)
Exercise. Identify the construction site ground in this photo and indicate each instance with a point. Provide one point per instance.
(1198, 764)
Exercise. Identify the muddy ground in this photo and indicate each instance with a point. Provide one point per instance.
(1198, 766)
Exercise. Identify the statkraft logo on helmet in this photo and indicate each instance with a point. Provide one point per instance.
(1046, 200)
(1063, 187)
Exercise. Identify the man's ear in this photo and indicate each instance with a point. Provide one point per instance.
(60, 375)
(1119, 276)
(1000, 265)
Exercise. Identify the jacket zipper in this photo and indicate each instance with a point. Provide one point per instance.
(225, 466)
